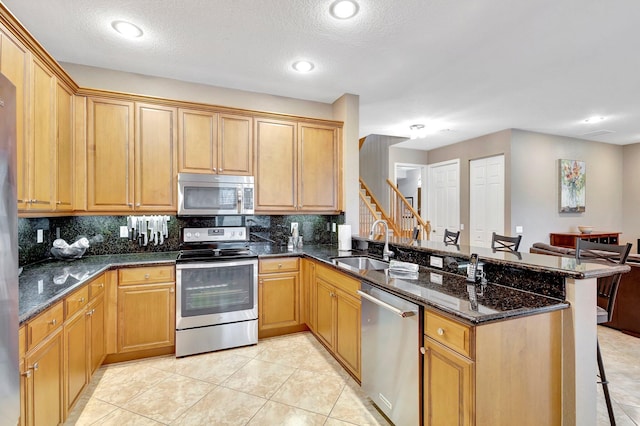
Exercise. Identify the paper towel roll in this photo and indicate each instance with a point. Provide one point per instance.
(344, 237)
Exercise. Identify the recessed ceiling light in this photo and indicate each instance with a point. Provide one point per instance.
(344, 9)
(127, 29)
(302, 66)
(593, 119)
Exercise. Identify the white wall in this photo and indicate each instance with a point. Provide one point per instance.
(631, 191)
(374, 165)
(535, 186)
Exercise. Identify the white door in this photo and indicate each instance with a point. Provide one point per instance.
(443, 198)
(486, 199)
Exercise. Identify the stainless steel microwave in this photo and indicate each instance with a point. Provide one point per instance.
(214, 195)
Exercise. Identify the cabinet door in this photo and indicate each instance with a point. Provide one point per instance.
(318, 168)
(146, 317)
(348, 339)
(306, 296)
(42, 153)
(156, 158)
(45, 384)
(64, 148)
(448, 396)
(325, 311)
(75, 357)
(96, 319)
(276, 171)
(110, 131)
(198, 141)
(235, 149)
(279, 301)
(15, 63)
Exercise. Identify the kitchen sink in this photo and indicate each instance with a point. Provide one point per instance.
(361, 262)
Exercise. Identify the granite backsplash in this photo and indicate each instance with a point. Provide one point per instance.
(103, 232)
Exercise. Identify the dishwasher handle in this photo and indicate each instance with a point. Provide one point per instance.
(399, 312)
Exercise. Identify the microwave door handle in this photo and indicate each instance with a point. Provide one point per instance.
(240, 200)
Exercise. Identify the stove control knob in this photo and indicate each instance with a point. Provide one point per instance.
(233, 233)
(197, 235)
(188, 234)
(240, 233)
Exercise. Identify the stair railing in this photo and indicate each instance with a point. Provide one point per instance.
(405, 216)
(370, 211)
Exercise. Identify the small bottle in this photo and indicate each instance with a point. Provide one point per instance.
(290, 244)
(300, 241)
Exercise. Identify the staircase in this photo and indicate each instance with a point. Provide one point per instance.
(371, 210)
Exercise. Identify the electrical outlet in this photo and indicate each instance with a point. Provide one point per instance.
(435, 261)
(328, 227)
(40, 236)
(333, 227)
(124, 231)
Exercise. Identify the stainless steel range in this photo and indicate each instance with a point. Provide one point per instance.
(216, 291)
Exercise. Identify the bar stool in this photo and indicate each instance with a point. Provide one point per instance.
(504, 243)
(607, 291)
(451, 237)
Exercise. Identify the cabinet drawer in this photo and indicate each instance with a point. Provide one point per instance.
(96, 287)
(339, 280)
(76, 301)
(152, 274)
(40, 327)
(450, 333)
(281, 264)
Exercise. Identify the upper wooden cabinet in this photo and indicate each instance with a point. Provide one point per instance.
(110, 148)
(131, 159)
(64, 148)
(211, 142)
(297, 167)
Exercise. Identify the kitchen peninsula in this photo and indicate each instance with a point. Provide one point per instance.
(520, 286)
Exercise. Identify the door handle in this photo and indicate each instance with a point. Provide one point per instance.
(385, 305)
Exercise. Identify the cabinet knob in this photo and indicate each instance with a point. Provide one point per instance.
(440, 331)
(58, 202)
(279, 265)
(27, 373)
(130, 204)
(137, 204)
(101, 285)
(89, 313)
(35, 366)
(172, 290)
(53, 322)
(423, 351)
(221, 170)
(81, 300)
(214, 169)
(146, 276)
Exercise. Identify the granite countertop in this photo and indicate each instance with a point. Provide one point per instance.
(44, 283)
(561, 266)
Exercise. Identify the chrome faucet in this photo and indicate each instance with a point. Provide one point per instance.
(386, 253)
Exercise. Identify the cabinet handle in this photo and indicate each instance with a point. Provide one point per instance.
(146, 276)
(53, 322)
(440, 331)
(423, 351)
(81, 300)
(27, 374)
(35, 366)
(101, 285)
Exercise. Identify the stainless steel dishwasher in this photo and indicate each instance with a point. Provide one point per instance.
(391, 354)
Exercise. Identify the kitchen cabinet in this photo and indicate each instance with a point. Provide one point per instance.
(110, 148)
(297, 167)
(337, 312)
(156, 176)
(76, 347)
(132, 156)
(146, 308)
(64, 148)
(15, 64)
(469, 370)
(308, 270)
(278, 296)
(44, 381)
(216, 143)
(22, 344)
(569, 239)
(96, 315)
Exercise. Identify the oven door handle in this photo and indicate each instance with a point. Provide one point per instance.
(217, 264)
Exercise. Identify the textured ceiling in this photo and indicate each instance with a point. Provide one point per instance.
(473, 67)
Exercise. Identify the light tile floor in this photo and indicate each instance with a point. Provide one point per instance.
(288, 380)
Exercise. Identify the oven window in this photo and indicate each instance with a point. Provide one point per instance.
(210, 198)
(217, 290)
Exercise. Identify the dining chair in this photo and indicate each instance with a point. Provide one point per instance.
(607, 290)
(504, 243)
(451, 237)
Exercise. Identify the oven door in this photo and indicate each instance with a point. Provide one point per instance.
(216, 292)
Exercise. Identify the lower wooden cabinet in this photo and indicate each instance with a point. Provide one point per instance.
(336, 315)
(76, 351)
(97, 342)
(501, 373)
(308, 272)
(146, 308)
(279, 296)
(45, 381)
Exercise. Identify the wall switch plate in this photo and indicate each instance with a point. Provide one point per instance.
(124, 231)
(40, 236)
(519, 230)
(462, 226)
(333, 227)
(435, 261)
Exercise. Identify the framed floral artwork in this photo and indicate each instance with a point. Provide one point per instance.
(572, 186)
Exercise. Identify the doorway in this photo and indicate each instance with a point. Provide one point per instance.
(443, 197)
(409, 179)
(486, 199)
